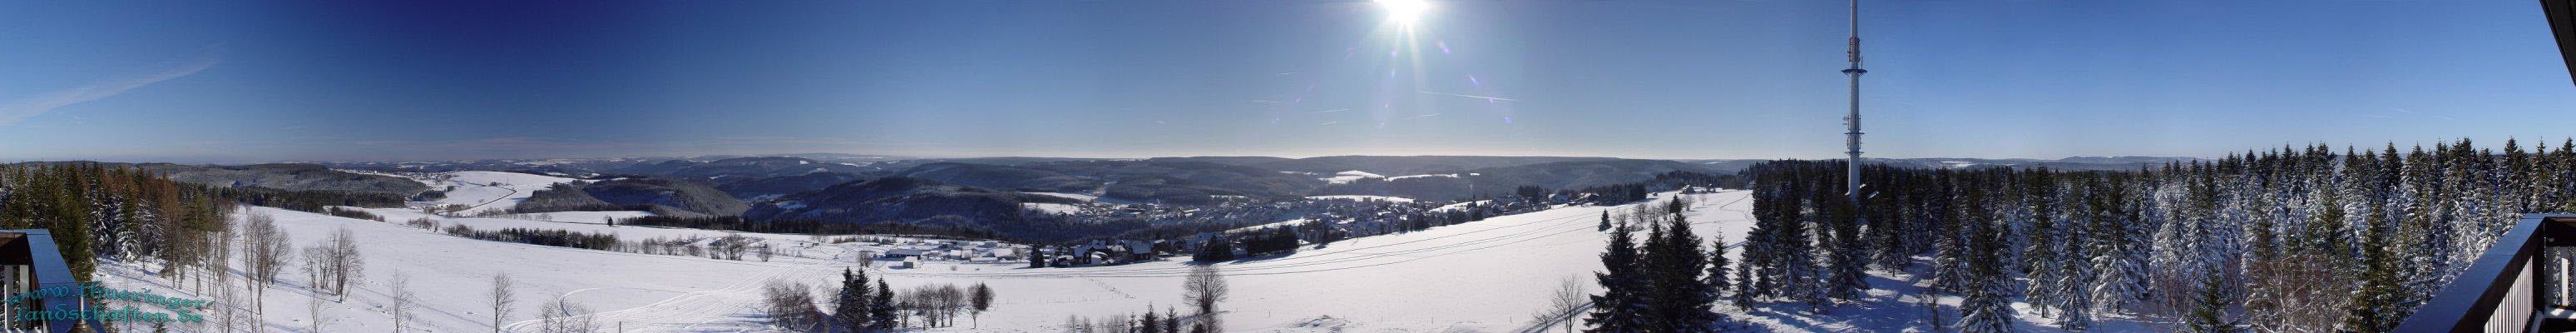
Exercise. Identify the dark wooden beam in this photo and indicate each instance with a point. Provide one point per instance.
(2562, 23)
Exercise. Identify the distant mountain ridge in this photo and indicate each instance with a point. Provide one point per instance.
(673, 193)
(284, 176)
(1001, 177)
(899, 199)
(1383, 165)
(1199, 179)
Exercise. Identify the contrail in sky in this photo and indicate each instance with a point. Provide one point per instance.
(1490, 98)
(11, 112)
(1330, 111)
(1421, 116)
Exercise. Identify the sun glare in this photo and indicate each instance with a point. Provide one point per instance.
(1404, 12)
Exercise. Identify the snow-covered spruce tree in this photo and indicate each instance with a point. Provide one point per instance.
(1742, 298)
(2074, 279)
(2420, 228)
(1757, 276)
(1796, 250)
(1619, 307)
(2376, 307)
(2209, 308)
(2474, 221)
(1718, 266)
(881, 308)
(2282, 228)
(2321, 277)
(2041, 254)
(1886, 223)
(980, 298)
(1847, 262)
(1150, 323)
(2559, 192)
(1987, 307)
(2078, 315)
(2512, 179)
(2264, 266)
(2178, 240)
(1678, 299)
(1951, 253)
(850, 307)
(2118, 255)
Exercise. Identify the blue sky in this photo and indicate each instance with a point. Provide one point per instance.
(351, 80)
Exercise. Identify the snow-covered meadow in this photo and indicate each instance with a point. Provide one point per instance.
(1484, 276)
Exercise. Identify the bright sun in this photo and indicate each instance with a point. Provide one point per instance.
(1404, 12)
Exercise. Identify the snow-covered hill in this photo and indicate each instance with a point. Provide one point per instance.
(450, 274)
(1484, 276)
(488, 190)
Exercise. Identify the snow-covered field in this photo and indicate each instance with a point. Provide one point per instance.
(1484, 276)
(1458, 206)
(1075, 196)
(1346, 177)
(488, 190)
(1361, 198)
(450, 274)
(1052, 208)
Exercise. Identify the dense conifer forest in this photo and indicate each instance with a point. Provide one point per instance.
(2296, 239)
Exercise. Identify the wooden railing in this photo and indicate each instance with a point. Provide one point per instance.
(2503, 290)
(34, 250)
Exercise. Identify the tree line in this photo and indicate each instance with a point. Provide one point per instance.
(1669, 283)
(858, 306)
(794, 226)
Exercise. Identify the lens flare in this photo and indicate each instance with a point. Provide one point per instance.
(1404, 12)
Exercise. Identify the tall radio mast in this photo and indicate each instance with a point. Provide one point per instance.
(1852, 186)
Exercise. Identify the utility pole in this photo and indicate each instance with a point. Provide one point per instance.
(1852, 185)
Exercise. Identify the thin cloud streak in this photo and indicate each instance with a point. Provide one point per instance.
(20, 110)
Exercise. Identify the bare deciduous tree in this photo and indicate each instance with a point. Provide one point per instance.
(335, 262)
(564, 316)
(346, 263)
(229, 310)
(314, 305)
(1568, 301)
(1204, 290)
(406, 304)
(791, 306)
(317, 266)
(265, 250)
(502, 295)
(952, 300)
